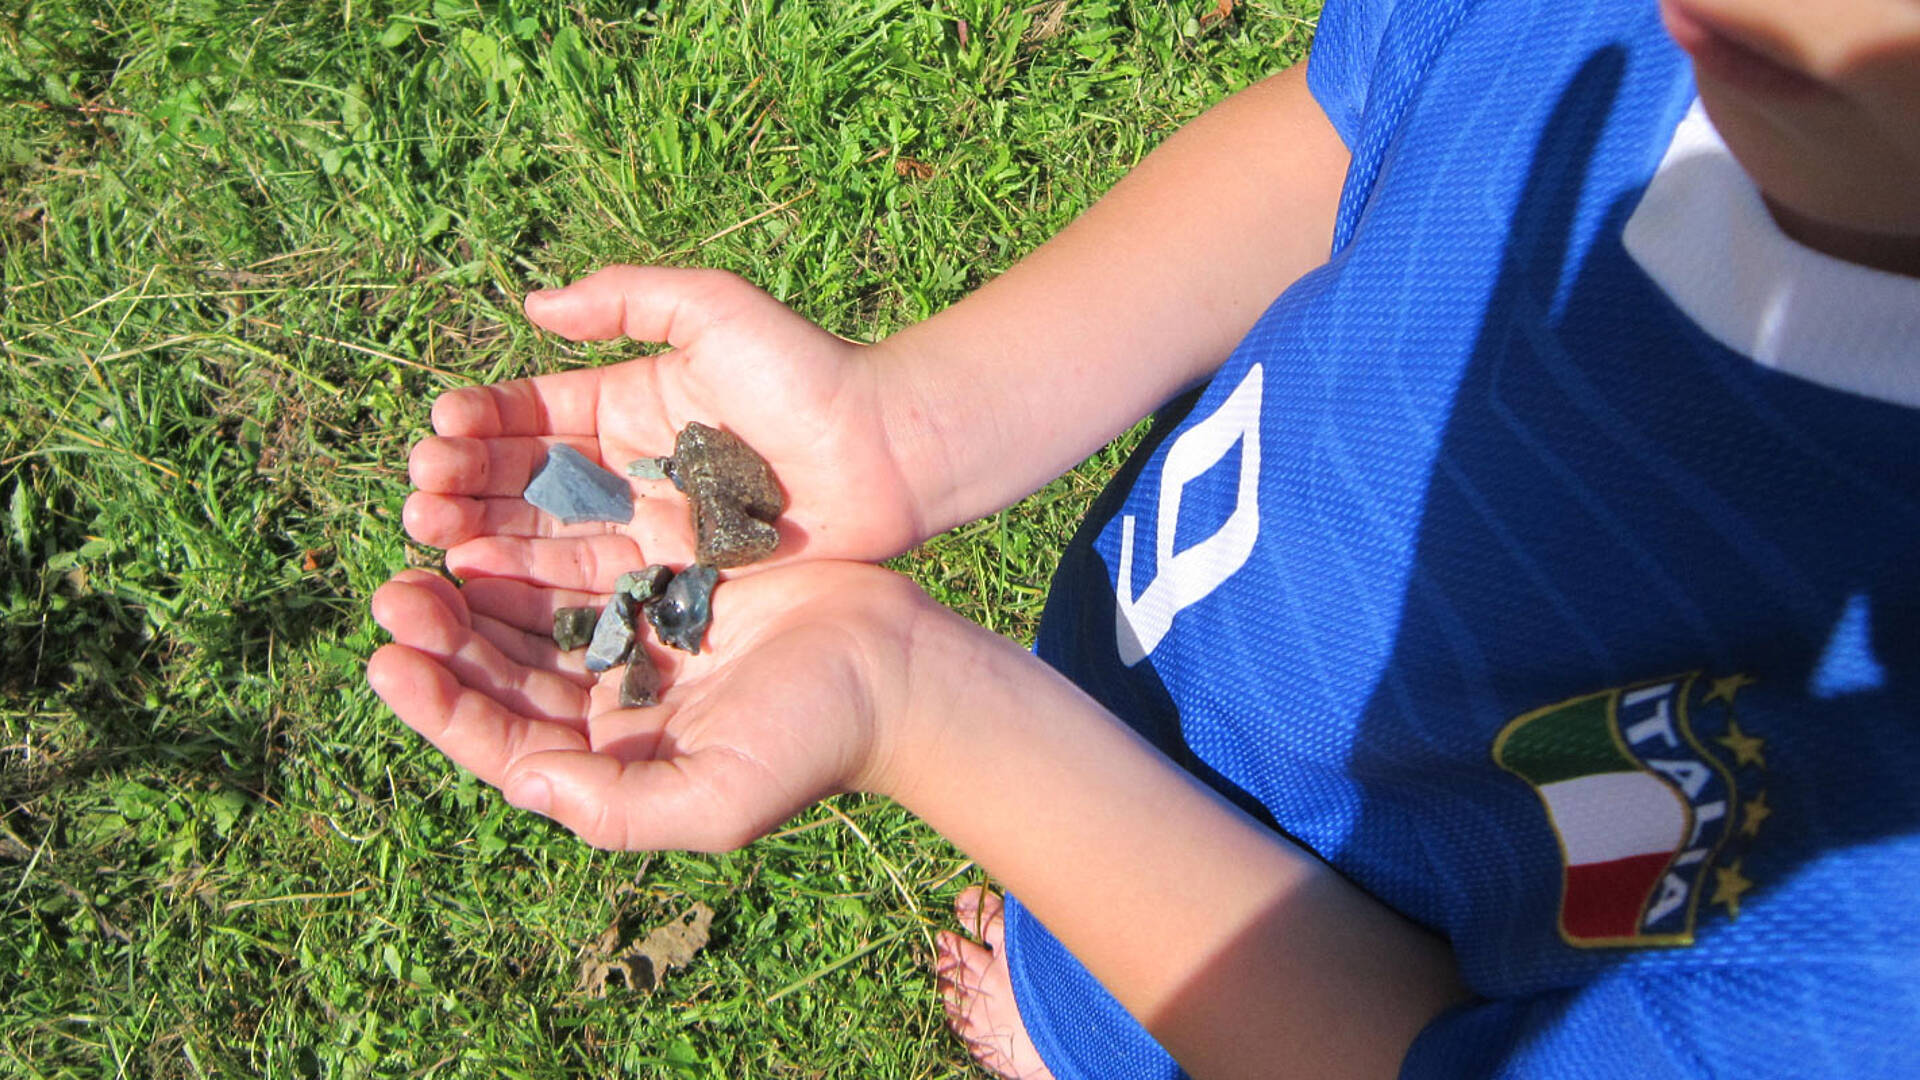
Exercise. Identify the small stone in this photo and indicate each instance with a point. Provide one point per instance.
(573, 626)
(650, 468)
(733, 495)
(680, 616)
(640, 686)
(612, 635)
(574, 489)
(644, 586)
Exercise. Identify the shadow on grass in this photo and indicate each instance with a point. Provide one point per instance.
(94, 688)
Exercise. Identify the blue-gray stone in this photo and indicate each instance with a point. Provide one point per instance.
(612, 635)
(574, 489)
(681, 615)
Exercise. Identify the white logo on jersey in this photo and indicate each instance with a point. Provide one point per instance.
(1182, 580)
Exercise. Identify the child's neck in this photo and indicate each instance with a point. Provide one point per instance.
(1881, 251)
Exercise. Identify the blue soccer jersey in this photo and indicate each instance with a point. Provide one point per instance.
(1549, 563)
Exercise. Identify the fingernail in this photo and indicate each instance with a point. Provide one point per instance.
(533, 793)
(543, 295)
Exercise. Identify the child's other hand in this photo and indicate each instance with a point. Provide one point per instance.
(807, 401)
(790, 701)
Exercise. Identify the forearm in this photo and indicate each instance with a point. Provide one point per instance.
(1141, 297)
(1243, 954)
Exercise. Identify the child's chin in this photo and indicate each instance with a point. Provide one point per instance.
(1720, 56)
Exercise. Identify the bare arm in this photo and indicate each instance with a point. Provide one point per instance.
(1243, 954)
(1142, 296)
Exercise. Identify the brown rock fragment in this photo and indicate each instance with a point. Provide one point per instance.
(640, 685)
(733, 495)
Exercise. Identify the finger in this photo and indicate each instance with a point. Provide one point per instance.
(537, 652)
(446, 592)
(469, 727)
(527, 607)
(445, 520)
(567, 403)
(500, 467)
(417, 618)
(588, 563)
(645, 303)
(641, 805)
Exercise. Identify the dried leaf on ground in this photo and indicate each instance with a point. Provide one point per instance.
(642, 965)
(1048, 21)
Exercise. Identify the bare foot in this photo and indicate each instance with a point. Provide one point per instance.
(978, 990)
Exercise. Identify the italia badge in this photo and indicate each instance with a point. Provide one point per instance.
(1643, 813)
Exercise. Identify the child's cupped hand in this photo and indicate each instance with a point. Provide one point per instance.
(794, 697)
(805, 650)
(807, 401)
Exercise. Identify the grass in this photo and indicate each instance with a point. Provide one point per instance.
(245, 244)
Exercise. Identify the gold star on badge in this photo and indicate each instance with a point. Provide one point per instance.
(1728, 886)
(1753, 812)
(1724, 689)
(1747, 749)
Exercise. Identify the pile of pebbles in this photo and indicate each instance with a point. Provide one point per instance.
(734, 501)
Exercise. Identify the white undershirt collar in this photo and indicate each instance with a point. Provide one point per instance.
(1704, 236)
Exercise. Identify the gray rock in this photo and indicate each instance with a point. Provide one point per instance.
(574, 489)
(680, 616)
(612, 635)
(573, 626)
(640, 686)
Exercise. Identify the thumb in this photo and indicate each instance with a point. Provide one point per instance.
(645, 303)
(628, 805)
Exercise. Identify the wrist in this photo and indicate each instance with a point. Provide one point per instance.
(922, 696)
(918, 416)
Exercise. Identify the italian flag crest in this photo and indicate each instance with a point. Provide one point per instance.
(1640, 809)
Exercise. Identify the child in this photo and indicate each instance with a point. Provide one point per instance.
(1527, 596)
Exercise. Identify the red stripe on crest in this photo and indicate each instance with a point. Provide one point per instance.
(1605, 899)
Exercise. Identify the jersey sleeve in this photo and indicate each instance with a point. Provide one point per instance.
(1370, 59)
(1839, 1019)
(1346, 50)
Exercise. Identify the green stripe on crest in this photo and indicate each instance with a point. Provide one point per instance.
(1564, 742)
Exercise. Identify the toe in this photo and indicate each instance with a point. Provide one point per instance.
(976, 991)
(979, 911)
(946, 953)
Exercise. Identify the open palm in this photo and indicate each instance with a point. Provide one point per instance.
(778, 711)
(809, 402)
